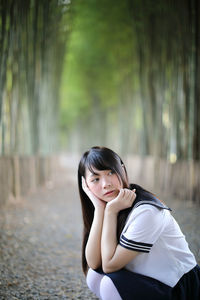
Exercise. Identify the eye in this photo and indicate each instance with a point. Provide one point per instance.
(95, 180)
(111, 172)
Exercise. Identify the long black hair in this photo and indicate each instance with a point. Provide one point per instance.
(102, 158)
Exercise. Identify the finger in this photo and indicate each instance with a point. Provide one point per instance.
(83, 181)
(128, 196)
(84, 185)
(132, 192)
(131, 200)
(127, 193)
(121, 193)
(131, 197)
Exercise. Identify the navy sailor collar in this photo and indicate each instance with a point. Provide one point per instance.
(154, 201)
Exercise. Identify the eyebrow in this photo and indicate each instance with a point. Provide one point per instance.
(97, 174)
(94, 174)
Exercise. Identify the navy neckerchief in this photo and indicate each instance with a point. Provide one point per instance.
(153, 201)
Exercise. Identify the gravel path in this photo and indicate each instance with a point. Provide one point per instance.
(40, 245)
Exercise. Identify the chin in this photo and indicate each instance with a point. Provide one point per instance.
(108, 200)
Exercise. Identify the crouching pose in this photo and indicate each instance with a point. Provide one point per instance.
(132, 246)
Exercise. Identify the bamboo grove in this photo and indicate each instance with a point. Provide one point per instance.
(119, 73)
(32, 44)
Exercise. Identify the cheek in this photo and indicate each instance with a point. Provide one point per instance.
(96, 192)
(93, 188)
(117, 182)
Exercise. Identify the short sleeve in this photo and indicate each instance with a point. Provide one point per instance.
(146, 223)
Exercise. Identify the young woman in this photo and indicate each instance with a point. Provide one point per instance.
(132, 246)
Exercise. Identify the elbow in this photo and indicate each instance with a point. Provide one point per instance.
(93, 262)
(108, 268)
(94, 266)
(105, 269)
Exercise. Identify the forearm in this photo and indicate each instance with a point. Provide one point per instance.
(109, 238)
(114, 256)
(93, 247)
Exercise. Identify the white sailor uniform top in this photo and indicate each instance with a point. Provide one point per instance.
(151, 229)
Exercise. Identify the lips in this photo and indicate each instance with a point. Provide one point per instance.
(108, 193)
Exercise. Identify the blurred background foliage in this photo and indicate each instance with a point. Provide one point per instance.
(124, 74)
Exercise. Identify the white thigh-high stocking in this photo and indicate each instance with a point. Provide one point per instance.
(93, 280)
(102, 286)
(108, 290)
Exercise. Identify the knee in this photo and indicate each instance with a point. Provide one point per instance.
(108, 290)
(93, 280)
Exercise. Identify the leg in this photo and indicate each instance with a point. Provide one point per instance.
(102, 286)
(93, 280)
(108, 290)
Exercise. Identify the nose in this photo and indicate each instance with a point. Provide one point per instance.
(105, 182)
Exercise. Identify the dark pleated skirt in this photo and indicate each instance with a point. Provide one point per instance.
(133, 286)
(188, 286)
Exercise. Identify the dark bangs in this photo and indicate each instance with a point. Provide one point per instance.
(100, 161)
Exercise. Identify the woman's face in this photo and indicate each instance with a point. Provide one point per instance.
(104, 184)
